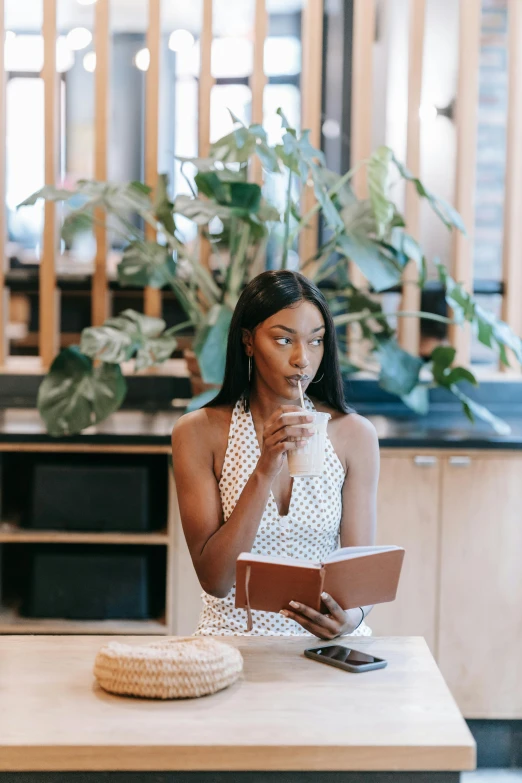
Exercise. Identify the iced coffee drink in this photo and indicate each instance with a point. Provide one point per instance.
(309, 460)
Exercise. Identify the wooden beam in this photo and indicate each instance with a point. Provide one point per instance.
(361, 106)
(466, 128)
(512, 266)
(311, 99)
(49, 317)
(205, 80)
(361, 136)
(204, 89)
(152, 298)
(409, 328)
(4, 300)
(100, 298)
(258, 78)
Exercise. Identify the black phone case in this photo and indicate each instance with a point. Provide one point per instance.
(345, 666)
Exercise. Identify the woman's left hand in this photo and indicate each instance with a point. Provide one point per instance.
(325, 626)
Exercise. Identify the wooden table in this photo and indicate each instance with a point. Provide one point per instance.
(289, 719)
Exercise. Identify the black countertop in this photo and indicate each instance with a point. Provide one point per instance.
(441, 429)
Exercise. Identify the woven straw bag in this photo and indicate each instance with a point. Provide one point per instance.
(176, 668)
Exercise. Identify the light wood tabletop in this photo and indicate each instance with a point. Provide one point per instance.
(286, 713)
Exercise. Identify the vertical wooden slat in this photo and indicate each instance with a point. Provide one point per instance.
(361, 105)
(409, 328)
(3, 297)
(48, 327)
(311, 95)
(466, 128)
(152, 295)
(512, 266)
(360, 134)
(205, 80)
(258, 78)
(204, 89)
(100, 298)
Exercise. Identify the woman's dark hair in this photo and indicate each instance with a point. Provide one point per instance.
(265, 295)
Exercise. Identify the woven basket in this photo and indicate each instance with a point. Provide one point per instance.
(176, 668)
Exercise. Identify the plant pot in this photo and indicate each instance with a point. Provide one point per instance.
(196, 381)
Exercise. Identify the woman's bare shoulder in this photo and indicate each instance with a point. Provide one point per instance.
(351, 433)
(204, 426)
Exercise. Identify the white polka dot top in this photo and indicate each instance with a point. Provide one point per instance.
(309, 531)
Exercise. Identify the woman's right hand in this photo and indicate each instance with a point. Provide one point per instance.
(280, 434)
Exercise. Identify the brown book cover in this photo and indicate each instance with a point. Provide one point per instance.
(353, 576)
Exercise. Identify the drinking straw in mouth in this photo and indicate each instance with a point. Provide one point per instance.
(301, 394)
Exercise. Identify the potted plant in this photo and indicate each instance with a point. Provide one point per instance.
(85, 383)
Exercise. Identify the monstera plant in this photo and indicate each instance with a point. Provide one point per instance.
(85, 383)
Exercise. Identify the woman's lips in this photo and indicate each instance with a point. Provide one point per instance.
(293, 380)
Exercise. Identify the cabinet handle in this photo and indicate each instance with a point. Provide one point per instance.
(460, 462)
(424, 461)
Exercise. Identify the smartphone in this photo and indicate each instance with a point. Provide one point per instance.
(346, 658)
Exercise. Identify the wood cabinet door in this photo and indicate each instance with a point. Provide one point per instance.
(408, 516)
(480, 621)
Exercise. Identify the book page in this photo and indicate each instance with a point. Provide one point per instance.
(347, 552)
(278, 560)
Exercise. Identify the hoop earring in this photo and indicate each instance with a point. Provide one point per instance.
(319, 379)
(249, 369)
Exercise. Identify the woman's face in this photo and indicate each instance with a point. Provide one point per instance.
(287, 347)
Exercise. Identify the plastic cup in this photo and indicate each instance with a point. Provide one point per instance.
(309, 460)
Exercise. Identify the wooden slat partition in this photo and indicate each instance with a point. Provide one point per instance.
(4, 304)
(152, 296)
(258, 78)
(49, 316)
(311, 94)
(466, 127)
(512, 266)
(409, 328)
(100, 298)
(361, 133)
(361, 105)
(205, 88)
(205, 80)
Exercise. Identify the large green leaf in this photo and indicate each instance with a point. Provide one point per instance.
(473, 408)
(490, 330)
(382, 270)
(130, 333)
(418, 399)
(211, 345)
(155, 350)
(399, 370)
(107, 343)
(48, 193)
(163, 205)
(378, 175)
(146, 264)
(448, 214)
(75, 394)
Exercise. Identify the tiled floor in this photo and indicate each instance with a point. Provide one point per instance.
(492, 776)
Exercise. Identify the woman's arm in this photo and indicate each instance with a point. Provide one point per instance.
(215, 546)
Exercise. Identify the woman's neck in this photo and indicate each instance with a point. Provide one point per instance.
(263, 403)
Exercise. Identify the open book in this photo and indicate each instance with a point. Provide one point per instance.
(353, 576)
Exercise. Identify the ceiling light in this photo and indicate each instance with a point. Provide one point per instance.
(78, 38)
(331, 129)
(89, 62)
(142, 60)
(9, 35)
(180, 41)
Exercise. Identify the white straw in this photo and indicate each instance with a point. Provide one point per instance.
(301, 394)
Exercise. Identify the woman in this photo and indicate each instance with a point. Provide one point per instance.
(234, 489)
